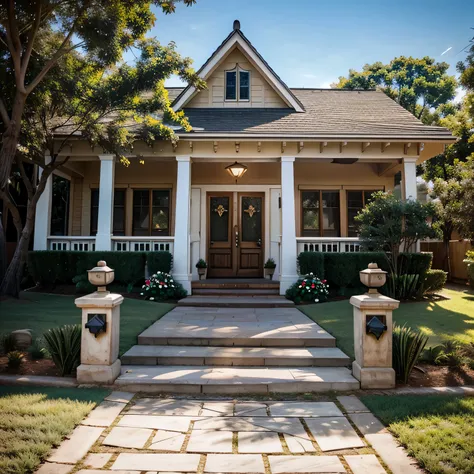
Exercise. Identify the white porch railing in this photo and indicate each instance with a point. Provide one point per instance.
(142, 244)
(327, 244)
(75, 243)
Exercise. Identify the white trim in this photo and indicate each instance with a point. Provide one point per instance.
(234, 40)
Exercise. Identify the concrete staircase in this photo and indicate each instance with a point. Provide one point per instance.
(235, 350)
(236, 293)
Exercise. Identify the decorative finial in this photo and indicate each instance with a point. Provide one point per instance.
(236, 25)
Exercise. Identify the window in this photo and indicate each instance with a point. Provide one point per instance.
(356, 200)
(60, 206)
(237, 80)
(320, 213)
(151, 212)
(119, 211)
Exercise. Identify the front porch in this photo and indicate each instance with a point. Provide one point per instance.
(191, 207)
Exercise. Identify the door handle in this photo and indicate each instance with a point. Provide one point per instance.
(259, 242)
(236, 231)
(212, 242)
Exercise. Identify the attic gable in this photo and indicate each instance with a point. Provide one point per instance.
(266, 88)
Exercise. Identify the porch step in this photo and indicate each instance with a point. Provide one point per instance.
(236, 283)
(234, 380)
(236, 292)
(237, 301)
(236, 356)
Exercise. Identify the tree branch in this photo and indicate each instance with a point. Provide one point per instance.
(26, 180)
(14, 211)
(13, 40)
(4, 113)
(31, 39)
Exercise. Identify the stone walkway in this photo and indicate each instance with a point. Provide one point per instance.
(154, 435)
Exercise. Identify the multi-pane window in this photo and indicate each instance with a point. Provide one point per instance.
(60, 206)
(356, 201)
(237, 84)
(119, 211)
(151, 212)
(320, 213)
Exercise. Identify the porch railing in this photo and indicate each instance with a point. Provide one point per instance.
(327, 244)
(142, 244)
(75, 243)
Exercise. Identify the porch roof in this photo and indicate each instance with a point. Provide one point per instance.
(329, 113)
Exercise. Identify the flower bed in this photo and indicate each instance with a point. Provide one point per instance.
(161, 286)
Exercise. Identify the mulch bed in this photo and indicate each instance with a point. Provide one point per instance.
(29, 367)
(434, 376)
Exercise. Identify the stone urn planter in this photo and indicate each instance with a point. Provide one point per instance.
(201, 266)
(269, 268)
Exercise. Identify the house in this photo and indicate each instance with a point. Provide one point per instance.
(267, 171)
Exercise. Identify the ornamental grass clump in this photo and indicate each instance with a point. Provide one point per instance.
(161, 286)
(310, 289)
(64, 345)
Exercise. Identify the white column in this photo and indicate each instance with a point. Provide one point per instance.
(288, 270)
(181, 257)
(106, 203)
(195, 237)
(409, 189)
(43, 212)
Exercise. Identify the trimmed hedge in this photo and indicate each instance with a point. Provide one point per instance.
(159, 262)
(51, 267)
(435, 281)
(341, 269)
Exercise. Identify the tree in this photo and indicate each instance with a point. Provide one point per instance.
(393, 226)
(464, 217)
(102, 29)
(104, 103)
(418, 85)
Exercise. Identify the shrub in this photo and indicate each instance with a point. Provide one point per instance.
(201, 263)
(64, 345)
(449, 354)
(469, 260)
(159, 262)
(434, 281)
(270, 263)
(37, 350)
(15, 359)
(407, 348)
(310, 289)
(161, 286)
(8, 343)
(311, 262)
(50, 267)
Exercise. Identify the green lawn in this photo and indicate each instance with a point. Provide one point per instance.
(437, 430)
(40, 312)
(33, 420)
(440, 320)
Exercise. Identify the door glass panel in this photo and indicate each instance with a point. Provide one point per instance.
(219, 217)
(330, 205)
(251, 219)
(160, 213)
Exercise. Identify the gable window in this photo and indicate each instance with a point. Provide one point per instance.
(237, 85)
(356, 201)
(320, 213)
(119, 211)
(151, 212)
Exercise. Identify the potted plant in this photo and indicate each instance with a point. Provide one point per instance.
(269, 267)
(202, 269)
(469, 261)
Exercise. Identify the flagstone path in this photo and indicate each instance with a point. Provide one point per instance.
(158, 436)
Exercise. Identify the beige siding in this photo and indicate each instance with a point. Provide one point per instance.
(261, 92)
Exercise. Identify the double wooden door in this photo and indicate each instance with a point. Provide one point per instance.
(235, 234)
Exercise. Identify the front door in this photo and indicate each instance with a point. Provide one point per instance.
(235, 235)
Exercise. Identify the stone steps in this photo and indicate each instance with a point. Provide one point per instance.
(238, 301)
(234, 380)
(236, 283)
(252, 292)
(235, 356)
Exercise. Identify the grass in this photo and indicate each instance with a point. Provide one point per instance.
(33, 420)
(442, 320)
(40, 312)
(437, 430)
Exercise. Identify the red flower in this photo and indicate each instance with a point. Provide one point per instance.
(324, 281)
(303, 283)
(147, 282)
(313, 285)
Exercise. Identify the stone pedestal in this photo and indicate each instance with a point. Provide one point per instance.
(373, 358)
(99, 355)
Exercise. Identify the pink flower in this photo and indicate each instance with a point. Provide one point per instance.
(147, 282)
(303, 283)
(324, 281)
(313, 285)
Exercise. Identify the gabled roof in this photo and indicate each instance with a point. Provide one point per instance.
(236, 37)
(329, 113)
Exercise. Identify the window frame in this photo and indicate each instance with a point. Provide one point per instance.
(237, 69)
(124, 190)
(312, 233)
(150, 211)
(363, 191)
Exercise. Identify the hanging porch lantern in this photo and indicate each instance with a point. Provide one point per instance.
(237, 170)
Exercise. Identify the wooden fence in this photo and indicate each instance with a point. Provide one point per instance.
(457, 253)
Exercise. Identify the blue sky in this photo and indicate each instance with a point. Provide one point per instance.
(310, 43)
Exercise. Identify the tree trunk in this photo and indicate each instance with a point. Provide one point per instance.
(10, 140)
(3, 249)
(447, 258)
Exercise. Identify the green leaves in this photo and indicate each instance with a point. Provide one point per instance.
(64, 345)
